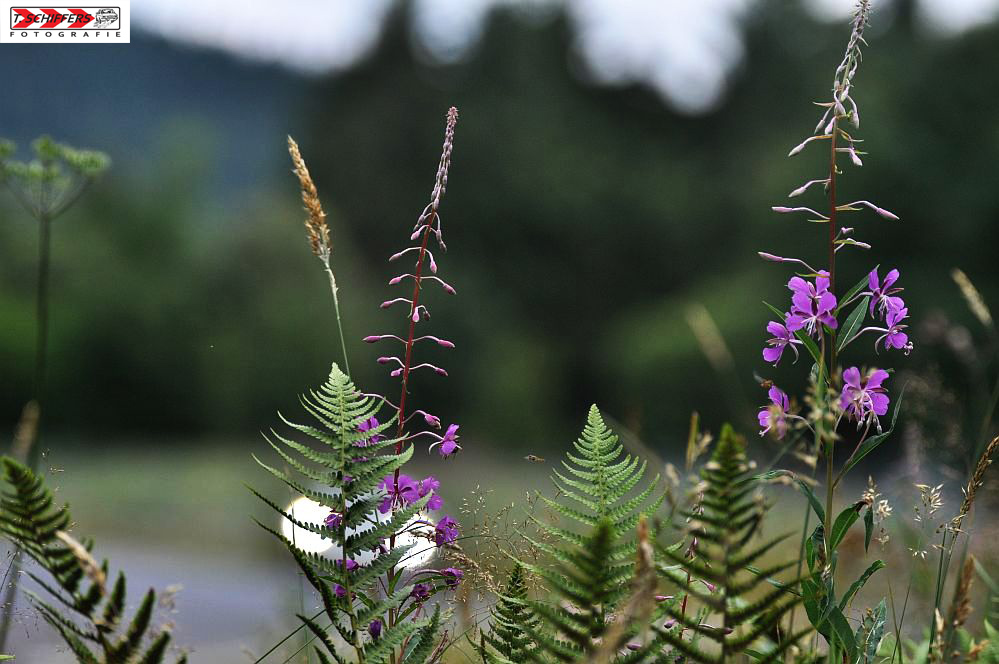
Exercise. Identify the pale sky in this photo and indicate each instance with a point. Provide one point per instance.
(685, 50)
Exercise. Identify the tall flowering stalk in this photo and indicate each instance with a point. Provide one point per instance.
(46, 187)
(427, 225)
(823, 321)
(375, 587)
(318, 233)
(401, 489)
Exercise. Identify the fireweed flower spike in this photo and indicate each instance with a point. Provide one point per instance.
(428, 224)
(817, 307)
(318, 233)
(863, 398)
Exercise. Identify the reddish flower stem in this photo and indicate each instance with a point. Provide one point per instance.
(833, 227)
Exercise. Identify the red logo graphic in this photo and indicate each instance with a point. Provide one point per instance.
(47, 18)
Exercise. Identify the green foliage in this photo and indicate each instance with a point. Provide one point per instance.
(511, 625)
(729, 515)
(870, 633)
(342, 471)
(85, 614)
(597, 484)
(584, 615)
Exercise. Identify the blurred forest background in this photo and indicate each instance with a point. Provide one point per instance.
(602, 241)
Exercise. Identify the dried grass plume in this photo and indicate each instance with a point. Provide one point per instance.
(315, 224)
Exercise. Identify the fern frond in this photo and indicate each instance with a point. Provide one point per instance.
(729, 516)
(341, 468)
(29, 517)
(511, 621)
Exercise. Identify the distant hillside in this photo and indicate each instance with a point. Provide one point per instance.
(128, 98)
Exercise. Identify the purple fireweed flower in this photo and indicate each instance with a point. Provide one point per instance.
(333, 521)
(375, 628)
(894, 337)
(351, 564)
(400, 492)
(406, 491)
(448, 443)
(368, 425)
(863, 398)
(773, 417)
(420, 592)
(431, 484)
(452, 576)
(446, 531)
(811, 304)
(882, 293)
(782, 338)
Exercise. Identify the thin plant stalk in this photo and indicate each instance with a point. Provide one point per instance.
(41, 326)
(339, 324)
(318, 233)
(32, 451)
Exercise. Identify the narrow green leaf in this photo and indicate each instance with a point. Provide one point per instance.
(868, 527)
(812, 499)
(843, 522)
(872, 443)
(842, 633)
(853, 323)
(859, 583)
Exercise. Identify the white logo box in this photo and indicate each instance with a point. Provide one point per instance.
(55, 25)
